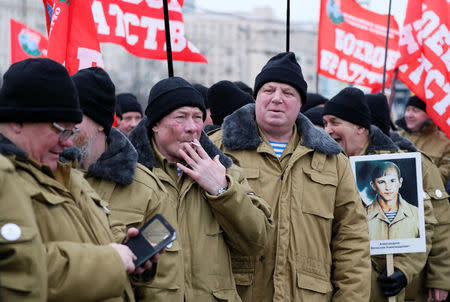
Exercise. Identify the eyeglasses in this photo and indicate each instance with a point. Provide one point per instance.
(65, 132)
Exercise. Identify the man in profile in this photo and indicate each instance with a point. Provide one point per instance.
(389, 215)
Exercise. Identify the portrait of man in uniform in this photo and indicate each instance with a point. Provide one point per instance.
(390, 186)
(389, 215)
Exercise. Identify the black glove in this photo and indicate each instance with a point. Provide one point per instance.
(393, 284)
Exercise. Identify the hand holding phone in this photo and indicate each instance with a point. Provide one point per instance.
(155, 235)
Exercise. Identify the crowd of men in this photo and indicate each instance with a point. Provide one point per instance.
(256, 182)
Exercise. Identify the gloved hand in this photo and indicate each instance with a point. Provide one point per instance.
(393, 284)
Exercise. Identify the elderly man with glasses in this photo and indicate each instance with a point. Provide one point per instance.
(39, 108)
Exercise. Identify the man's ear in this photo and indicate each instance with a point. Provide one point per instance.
(401, 182)
(360, 130)
(16, 127)
(155, 128)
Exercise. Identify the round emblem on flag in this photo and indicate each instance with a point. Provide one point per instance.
(29, 43)
(11, 231)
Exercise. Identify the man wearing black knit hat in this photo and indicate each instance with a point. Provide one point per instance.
(301, 171)
(204, 92)
(39, 108)
(224, 98)
(130, 112)
(109, 160)
(417, 126)
(314, 100)
(213, 208)
(380, 112)
(349, 110)
(347, 119)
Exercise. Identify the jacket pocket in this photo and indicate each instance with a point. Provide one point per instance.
(168, 275)
(226, 295)
(48, 198)
(243, 269)
(319, 193)
(10, 278)
(441, 207)
(313, 284)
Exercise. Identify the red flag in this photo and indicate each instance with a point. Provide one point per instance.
(72, 36)
(352, 42)
(425, 63)
(48, 8)
(26, 42)
(139, 27)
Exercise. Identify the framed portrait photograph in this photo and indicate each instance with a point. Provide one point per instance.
(390, 186)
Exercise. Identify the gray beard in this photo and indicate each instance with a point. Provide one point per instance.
(86, 148)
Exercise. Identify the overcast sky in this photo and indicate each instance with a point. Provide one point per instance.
(301, 10)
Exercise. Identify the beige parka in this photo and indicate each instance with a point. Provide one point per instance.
(72, 221)
(434, 143)
(436, 273)
(23, 270)
(320, 248)
(207, 226)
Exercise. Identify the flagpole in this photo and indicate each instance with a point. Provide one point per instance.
(288, 21)
(386, 50)
(168, 41)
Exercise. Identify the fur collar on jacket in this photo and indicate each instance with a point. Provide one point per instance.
(240, 132)
(140, 138)
(8, 148)
(117, 163)
(402, 142)
(378, 141)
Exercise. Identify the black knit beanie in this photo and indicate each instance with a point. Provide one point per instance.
(38, 91)
(315, 115)
(282, 68)
(314, 99)
(350, 105)
(244, 87)
(204, 92)
(117, 109)
(224, 98)
(416, 102)
(97, 95)
(379, 111)
(128, 102)
(170, 94)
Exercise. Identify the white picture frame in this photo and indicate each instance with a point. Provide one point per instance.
(394, 208)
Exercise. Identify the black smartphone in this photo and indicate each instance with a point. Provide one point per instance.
(156, 234)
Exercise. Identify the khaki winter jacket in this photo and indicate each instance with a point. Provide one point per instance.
(436, 273)
(320, 248)
(434, 143)
(207, 226)
(73, 224)
(134, 195)
(23, 271)
(409, 263)
(404, 225)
